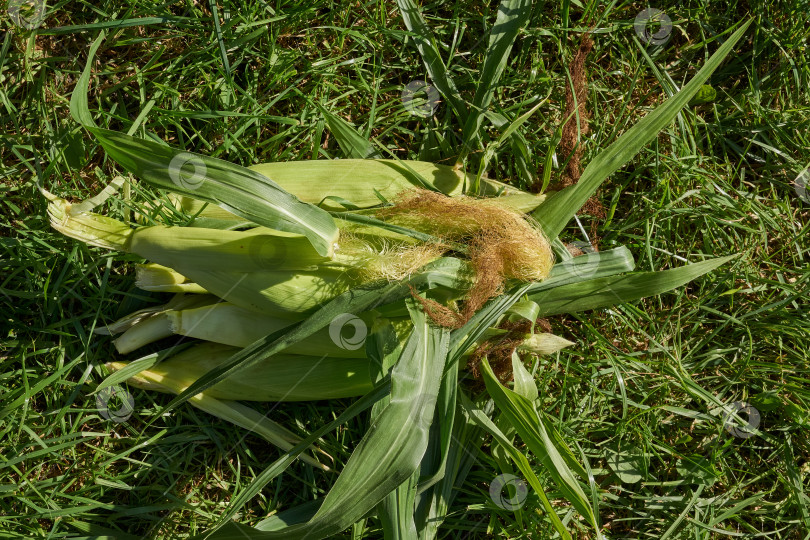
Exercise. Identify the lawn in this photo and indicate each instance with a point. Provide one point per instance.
(642, 398)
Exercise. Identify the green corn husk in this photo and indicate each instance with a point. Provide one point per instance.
(146, 331)
(251, 269)
(151, 324)
(282, 377)
(182, 248)
(355, 180)
(287, 294)
(179, 301)
(544, 343)
(359, 192)
(245, 251)
(158, 278)
(328, 183)
(232, 325)
(523, 202)
(284, 293)
(92, 229)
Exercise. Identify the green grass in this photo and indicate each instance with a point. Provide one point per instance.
(639, 399)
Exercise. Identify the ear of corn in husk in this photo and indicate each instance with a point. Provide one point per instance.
(356, 180)
(282, 377)
(251, 268)
(259, 281)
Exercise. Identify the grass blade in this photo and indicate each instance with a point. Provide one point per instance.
(281, 464)
(350, 141)
(481, 419)
(512, 16)
(424, 39)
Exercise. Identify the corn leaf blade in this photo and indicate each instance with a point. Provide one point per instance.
(592, 265)
(391, 450)
(555, 213)
(433, 504)
(524, 418)
(242, 191)
(609, 291)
